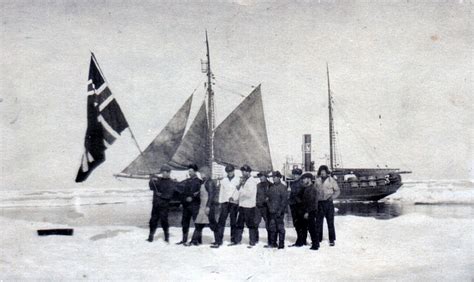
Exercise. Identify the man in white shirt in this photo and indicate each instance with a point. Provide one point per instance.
(228, 200)
(328, 190)
(247, 206)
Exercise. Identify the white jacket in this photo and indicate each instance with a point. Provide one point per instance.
(248, 193)
(328, 189)
(228, 189)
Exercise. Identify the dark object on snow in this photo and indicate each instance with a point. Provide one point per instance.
(59, 231)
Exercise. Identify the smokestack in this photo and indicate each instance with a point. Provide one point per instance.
(307, 152)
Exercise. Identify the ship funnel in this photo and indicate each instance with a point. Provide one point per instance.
(306, 150)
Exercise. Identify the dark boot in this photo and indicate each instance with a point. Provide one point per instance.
(314, 247)
(151, 235)
(281, 243)
(167, 235)
(185, 239)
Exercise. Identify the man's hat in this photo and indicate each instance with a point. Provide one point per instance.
(323, 167)
(307, 175)
(246, 168)
(276, 174)
(297, 171)
(229, 168)
(262, 173)
(193, 167)
(165, 168)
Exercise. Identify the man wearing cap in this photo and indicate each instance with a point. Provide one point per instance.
(262, 210)
(310, 206)
(163, 188)
(247, 206)
(228, 200)
(297, 210)
(188, 191)
(206, 216)
(328, 191)
(277, 201)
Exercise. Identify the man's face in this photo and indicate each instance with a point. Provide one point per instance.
(165, 174)
(276, 180)
(263, 179)
(204, 174)
(230, 174)
(191, 172)
(246, 174)
(306, 181)
(324, 173)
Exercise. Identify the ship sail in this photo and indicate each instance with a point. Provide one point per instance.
(163, 147)
(193, 148)
(242, 137)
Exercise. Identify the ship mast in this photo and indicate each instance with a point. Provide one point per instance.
(211, 115)
(332, 137)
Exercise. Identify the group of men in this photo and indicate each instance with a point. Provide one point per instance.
(246, 201)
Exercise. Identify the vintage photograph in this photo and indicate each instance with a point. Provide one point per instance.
(236, 140)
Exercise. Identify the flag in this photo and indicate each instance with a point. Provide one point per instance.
(105, 121)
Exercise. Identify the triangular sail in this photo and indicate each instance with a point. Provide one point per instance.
(163, 147)
(193, 148)
(242, 137)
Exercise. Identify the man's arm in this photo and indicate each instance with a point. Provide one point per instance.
(337, 190)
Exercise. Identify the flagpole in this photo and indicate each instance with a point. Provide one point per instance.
(129, 128)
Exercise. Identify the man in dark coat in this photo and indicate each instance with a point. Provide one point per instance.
(188, 191)
(262, 209)
(206, 214)
(277, 201)
(310, 204)
(163, 189)
(297, 210)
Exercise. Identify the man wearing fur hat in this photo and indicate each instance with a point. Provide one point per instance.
(163, 189)
(328, 191)
(188, 191)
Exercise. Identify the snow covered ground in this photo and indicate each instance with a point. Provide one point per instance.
(413, 246)
(409, 247)
(435, 192)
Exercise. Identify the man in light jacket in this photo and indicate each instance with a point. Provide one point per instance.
(247, 206)
(228, 200)
(328, 190)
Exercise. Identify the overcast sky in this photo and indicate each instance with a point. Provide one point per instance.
(401, 73)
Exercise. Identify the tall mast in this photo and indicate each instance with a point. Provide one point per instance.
(210, 104)
(332, 156)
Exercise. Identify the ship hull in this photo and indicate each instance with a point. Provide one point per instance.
(370, 193)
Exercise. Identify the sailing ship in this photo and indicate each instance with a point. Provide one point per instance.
(241, 138)
(360, 184)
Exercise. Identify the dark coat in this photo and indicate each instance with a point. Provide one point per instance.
(310, 198)
(211, 189)
(189, 188)
(262, 190)
(277, 198)
(163, 188)
(296, 192)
